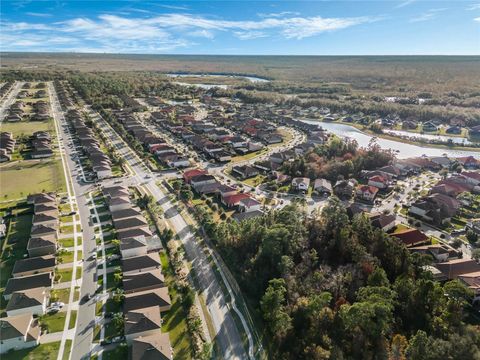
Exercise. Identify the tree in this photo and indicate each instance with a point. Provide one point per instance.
(418, 346)
(118, 321)
(476, 254)
(118, 295)
(471, 236)
(398, 347)
(273, 310)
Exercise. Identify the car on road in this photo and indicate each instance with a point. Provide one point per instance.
(86, 297)
(93, 257)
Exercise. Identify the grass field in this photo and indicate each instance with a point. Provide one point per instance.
(17, 180)
(174, 320)
(55, 322)
(41, 352)
(27, 128)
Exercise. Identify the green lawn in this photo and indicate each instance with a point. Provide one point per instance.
(55, 322)
(73, 319)
(174, 321)
(31, 176)
(27, 128)
(41, 352)
(78, 273)
(63, 295)
(66, 219)
(66, 258)
(64, 274)
(66, 350)
(66, 229)
(67, 242)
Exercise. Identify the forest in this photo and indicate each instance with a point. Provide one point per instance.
(328, 287)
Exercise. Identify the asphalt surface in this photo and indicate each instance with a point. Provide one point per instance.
(227, 334)
(9, 99)
(82, 342)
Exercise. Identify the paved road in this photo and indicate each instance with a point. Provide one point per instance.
(227, 333)
(86, 313)
(10, 99)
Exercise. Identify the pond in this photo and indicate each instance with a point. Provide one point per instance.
(403, 150)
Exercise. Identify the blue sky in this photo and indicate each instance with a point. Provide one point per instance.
(352, 27)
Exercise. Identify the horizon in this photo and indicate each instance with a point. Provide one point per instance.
(287, 28)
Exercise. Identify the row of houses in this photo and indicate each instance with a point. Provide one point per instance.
(146, 294)
(41, 145)
(63, 95)
(27, 291)
(205, 184)
(6, 87)
(99, 162)
(442, 203)
(7, 145)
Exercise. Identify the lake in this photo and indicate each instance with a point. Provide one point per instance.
(403, 150)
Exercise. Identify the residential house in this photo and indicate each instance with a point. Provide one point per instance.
(244, 171)
(453, 268)
(322, 186)
(34, 265)
(156, 346)
(249, 204)
(386, 222)
(301, 184)
(134, 246)
(378, 181)
(142, 263)
(18, 332)
(142, 322)
(143, 281)
(32, 301)
(366, 192)
(344, 188)
(141, 299)
(27, 282)
(42, 245)
(188, 175)
(234, 200)
(411, 237)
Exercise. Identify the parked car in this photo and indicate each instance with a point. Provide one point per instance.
(52, 310)
(58, 304)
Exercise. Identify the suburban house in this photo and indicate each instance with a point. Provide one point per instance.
(322, 186)
(453, 268)
(125, 214)
(142, 263)
(156, 346)
(472, 281)
(142, 322)
(344, 188)
(156, 297)
(27, 282)
(43, 245)
(378, 181)
(439, 252)
(18, 332)
(32, 301)
(190, 174)
(301, 184)
(34, 265)
(383, 221)
(411, 237)
(366, 192)
(134, 246)
(244, 171)
(143, 281)
(234, 200)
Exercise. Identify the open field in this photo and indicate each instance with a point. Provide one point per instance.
(17, 180)
(27, 128)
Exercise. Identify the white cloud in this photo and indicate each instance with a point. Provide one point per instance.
(477, 19)
(165, 32)
(404, 3)
(473, 7)
(279, 14)
(38, 14)
(429, 15)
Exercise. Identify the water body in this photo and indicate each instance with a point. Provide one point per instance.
(403, 150)
(455, 140)
(203, 86)
(252, 79)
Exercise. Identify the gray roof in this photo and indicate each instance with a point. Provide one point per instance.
(28, 282)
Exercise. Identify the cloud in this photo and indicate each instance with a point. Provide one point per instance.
(175, 7)
(114, 33)
(473, 7)
(429, 15)
(477, 19)
(249, 35)
(404, 3)
(279, 14)
(38, 14)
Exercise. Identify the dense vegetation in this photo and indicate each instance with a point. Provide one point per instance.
(331, 288)
(338, 159)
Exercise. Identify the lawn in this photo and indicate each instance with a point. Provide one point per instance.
(63, 295)
(66, 257)
(66, 350)
(41, 352)
(174, 321)
(120, 352)
(27, 128)
(254, 181)
(64, 275)
(66, 219)
(73, 319)
(55, 322)
(68, 242)
(78, 273)
(31, 176)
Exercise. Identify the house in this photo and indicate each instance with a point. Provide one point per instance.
(301, 184)
(455, 129)
(383, 221)
(322, 186)
(190, 174)
(378, 181)
(429, 126)
(156, 346)
(234, 200)
(142, 263)
(453, 268)
(472, 178)
(41, 198)
(18, 332)
(366, 192)
(443, 161)
(411, 237)
(469, 162)
(135, 246)
(46, 218)
(209, 188)
(42, 231)
(130, 223)
(142, 322)
(244, 171)
(344, 188)
(141, 299)
(43, 245)
(249, 204)
(125, 214)
(27, 282)
(134, 232)
(119, 203)
(201, 180)
(439, 252)
(34, 265)
(143, 281)
(472, 281)
(32, 301)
